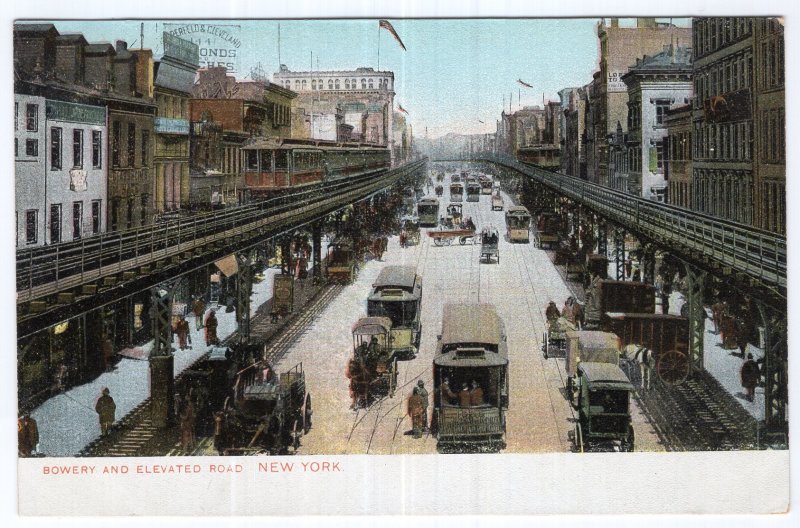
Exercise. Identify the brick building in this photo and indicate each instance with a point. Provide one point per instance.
(678, 153)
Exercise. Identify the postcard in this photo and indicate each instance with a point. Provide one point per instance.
(402, 265)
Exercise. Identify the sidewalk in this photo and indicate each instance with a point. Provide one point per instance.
(68, 422)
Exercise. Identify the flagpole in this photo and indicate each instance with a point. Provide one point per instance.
(279, 45)
(379, 47)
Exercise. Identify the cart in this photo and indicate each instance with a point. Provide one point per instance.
(666, 336)
(445, 237)
(603, 405)
(373, 367)
(490, 245)
(554, 340)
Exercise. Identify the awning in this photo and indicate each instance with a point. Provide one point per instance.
(227, 265)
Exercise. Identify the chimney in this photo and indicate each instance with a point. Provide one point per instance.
(122, 46)
(614, 22)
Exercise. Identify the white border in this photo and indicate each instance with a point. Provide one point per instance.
(343, 8)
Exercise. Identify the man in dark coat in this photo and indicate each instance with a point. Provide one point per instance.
(106, 410)
(198, 309)
(750, 375)
(211, 329)
(415, 410)
(27, 435)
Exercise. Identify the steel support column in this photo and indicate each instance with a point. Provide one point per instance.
(619, 252)
(602, 237)
(244, 290)
(316, 249)
(286, 254)
(695, 280)
(648, 264)
(161, 361)
(775, 428)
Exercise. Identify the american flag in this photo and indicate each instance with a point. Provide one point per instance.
(388, 27)
(523, 83)
(400, 108)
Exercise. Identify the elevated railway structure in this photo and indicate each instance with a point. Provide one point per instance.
(745, 258)
(60, 281)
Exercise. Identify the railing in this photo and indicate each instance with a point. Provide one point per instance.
(756, 253)
(56, 268)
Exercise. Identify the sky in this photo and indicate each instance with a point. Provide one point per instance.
(454, 73)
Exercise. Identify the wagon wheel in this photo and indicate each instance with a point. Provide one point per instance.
(673, 367)
(307, 412)
(438, 241)
(578, 438)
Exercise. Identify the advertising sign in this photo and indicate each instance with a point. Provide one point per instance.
(219, 44)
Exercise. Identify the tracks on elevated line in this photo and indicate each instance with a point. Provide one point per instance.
(136, 435)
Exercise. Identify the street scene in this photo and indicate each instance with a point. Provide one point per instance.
(232, 240)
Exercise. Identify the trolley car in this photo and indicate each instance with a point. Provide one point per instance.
(470, 373)
(518, 221)
(456, 191)
(428, 212)
(340, 264)
(272, 165)
(473, 192)
(486, 184)
(397, 295)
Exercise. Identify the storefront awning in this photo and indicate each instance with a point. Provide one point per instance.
(227, 265)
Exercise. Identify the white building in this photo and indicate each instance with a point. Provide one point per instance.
(61, 168)
(29, 169)
(76, 170)
(354, 97)
(655, 84)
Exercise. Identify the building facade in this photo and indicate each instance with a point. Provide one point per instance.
(174, 78)
(30, 170)
(678, 152)
(769, 110)
(573, 161)
(619, 48)
(655, 84)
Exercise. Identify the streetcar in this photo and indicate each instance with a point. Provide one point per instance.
(473, 192)
(373, 367)
(428, 212)
(470, 376)
(397, 295)
(272, 165)
(486, 184)
(456, 192)
(340, 264)
(518, 221)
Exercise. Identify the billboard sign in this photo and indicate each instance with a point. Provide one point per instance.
(219, 44)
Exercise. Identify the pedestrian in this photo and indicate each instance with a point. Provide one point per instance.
(568, 311)
(198, 309)
(187, 423)
(60, 378)
(717, 311)
(750, 375)
(423, 394)
(219, 432)
(415, 408)
(106, 410)
(177, 403)
(403, 238)
(476, 395)
(27, 435)
(464, 395)
(577, 311)
(211, 329)
(182, 330)
(551, 312)
(628, 267)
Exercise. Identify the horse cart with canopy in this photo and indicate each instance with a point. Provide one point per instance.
(373, 368)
